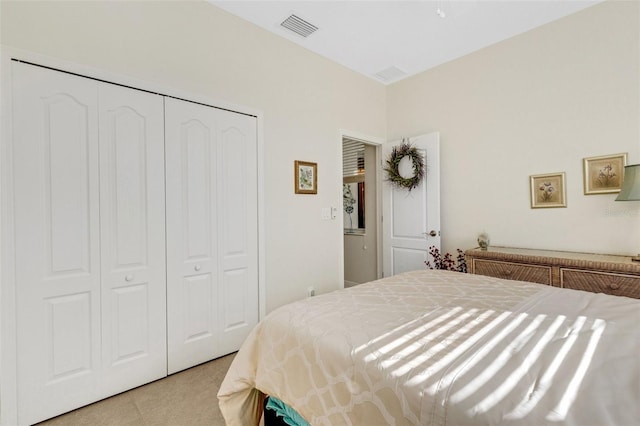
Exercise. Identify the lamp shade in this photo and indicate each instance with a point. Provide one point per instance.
(631, 184)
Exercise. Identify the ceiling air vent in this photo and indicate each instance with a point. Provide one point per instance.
(299, 26)
(389, 74)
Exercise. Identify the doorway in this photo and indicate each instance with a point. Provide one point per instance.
(360, 210)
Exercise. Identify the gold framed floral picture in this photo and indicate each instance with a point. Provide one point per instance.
(306, 177)
(603, 174)
(548, 190)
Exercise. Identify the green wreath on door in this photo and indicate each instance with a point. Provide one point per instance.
(405, 149)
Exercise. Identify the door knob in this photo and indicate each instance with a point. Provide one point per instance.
(431, 233)
(197, 267)
(128, 278)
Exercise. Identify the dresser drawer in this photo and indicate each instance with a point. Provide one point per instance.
(513, 271)
(601, 282)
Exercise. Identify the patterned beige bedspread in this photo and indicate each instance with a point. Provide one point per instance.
(444, 348)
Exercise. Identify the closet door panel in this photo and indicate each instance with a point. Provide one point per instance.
(55, 172)
(192, 162)
(133, 237)
(212, 226)
(238, 302)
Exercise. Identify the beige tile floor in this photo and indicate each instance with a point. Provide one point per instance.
(186, 398)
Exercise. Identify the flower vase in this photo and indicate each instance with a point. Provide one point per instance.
(483, 241)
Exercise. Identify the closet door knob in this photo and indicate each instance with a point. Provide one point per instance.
(128, 278)
(197, 267)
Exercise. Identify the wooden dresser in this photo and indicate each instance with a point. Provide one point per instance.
(598, 273)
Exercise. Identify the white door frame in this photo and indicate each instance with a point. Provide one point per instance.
(377, 142)
(8, 355)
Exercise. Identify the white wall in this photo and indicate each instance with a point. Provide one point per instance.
(536, 103)
(198, 48)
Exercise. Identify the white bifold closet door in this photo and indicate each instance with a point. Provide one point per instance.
(89, 240)
(132, 220)
(212, 246)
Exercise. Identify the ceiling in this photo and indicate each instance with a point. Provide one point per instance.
(394, 39)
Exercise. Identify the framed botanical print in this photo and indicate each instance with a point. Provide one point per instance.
(604, 174)
(306, 177)
(548, 190)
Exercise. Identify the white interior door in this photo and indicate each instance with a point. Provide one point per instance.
(212, 281)
(132, 237)
(55, 171)
(411, 220)
(89, 224)
(238, 224)
(88, 168)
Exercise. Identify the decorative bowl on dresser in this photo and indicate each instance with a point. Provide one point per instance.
(598, 273)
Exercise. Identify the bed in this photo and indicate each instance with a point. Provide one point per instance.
(439, 348)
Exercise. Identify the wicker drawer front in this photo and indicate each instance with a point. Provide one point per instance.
(601, 282)
(513, 271)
